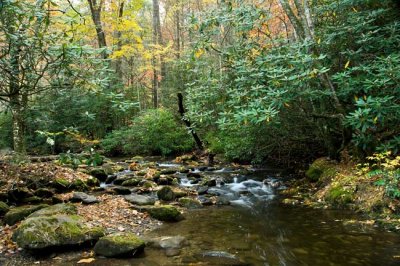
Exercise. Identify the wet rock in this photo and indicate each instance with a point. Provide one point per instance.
(211, 183)
(111, 179)
(169, 171)
(147, 184)
(121, 179)
(62, 208)
(166, 194)
(122, 190)
(190, 203)
(44, 193)
(132, 182)
(92, 182)
(4, 208)
(195, 175)
(140, 200)
(222, 200)
(166, 213)
(17, 214)
(119, 245)
(205, 201)
(99, 173)
(219, 258)
(172, 252)
(59, 230)
(202, 168)
(201, 190)
(179, 193)
(84, 198)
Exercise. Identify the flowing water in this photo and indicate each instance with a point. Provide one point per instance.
(258, 230)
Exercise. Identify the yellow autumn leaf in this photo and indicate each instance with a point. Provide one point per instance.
(199, 53)
(89, 260)
(287, 105)
(355, 10)
(347, 64)
(319, 40)
(355, 97)
(375, 120)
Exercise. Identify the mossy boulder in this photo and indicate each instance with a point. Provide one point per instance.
(321, 169)
(339, 196)
(17, 214)
(79, 185)
(44, 193)
(119, 245)
(99, 173)
(165, 213)
(32, 200)
(92, 182)
(190, 203)
(166, 194)
(59, 230)
(61, 184)
(4, 208)
(140, 200)
(62, 208)
(132, 182)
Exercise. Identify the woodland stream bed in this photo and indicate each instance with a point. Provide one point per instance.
(254, 228)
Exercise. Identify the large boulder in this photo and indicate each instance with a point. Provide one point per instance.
(17, 214)
(321, 169)
(59, 230)
(99, 173)
(165, 213)
(140, 200)
(166, 194)
(119, 245)
(62, 208)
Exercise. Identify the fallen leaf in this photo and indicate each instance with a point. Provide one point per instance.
(89, 260)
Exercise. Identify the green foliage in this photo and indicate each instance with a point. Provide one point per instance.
(153, 132)
(90, 158)
(5, 130)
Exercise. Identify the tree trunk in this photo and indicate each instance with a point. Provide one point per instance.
(95, 11)
(154, 61)
(17, 110)
(118, 63)
(196, 138)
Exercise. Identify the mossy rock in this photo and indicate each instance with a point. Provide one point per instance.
(321, 169)
(4, 208)
(44, 193)
(92, 182)
(17, 214)
(59, 230)
(166, 194)
(61, 184)
(119, 245)
(79, 185)
(190, 203)
(32, 200)
(131, 182)
(339, 196)
(62, 208)
(165, 213)
(148, 184)
(99, 173)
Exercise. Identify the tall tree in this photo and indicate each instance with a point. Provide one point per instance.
(96, 7)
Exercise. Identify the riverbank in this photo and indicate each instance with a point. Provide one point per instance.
(329, 184)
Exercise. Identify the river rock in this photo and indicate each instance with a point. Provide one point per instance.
(17, 214)
(61, 184)
(169, 171)
(84, 198)
(62, 208)
(99, 173)
(122, 190)
(59, 230)
(121, 179)
(4, 208)
(223, 200)
(44, 193)
(201, 190)
(140, 200)
(132, 182)
(166, 194)
(119, 245)
(194, 175)
(220, 258)
(166, 213)
(111, 179)
(205, 201)
(190, 203)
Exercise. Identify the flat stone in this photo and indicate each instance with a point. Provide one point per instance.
(140, 199)
(84, 198)
(119, 245)
(17, 214)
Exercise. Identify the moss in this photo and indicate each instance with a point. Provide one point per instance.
(166, 193)
(190, 203)
(57, 230)
(4, 208)
(166, 213)
(339, 196)
(56, 209)
(92, 182)
(32, 200)
(119, 245)
(19, 213)
(321, 169)
(79, 185)
(130, 182)
(61, 184)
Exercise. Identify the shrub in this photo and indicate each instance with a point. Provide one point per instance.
(153, 132)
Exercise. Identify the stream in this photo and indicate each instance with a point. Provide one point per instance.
(256, 229)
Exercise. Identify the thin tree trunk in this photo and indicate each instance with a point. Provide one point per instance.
(118, 63)
(156, 40)
(196, 138)
(95, 10)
